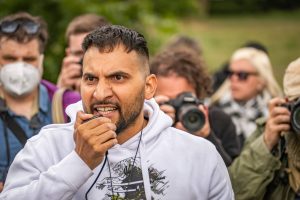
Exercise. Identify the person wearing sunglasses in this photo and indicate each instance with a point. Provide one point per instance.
(249, 86)
(71, 69)
(221, 74)
(25, 99)
(269, 165)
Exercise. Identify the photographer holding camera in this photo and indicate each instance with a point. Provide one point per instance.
(77, 29)
(269, 165)
(182, 84)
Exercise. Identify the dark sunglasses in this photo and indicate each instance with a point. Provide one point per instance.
(241, 75)
(12, 26)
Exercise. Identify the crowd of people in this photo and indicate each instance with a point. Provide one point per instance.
(119, 124)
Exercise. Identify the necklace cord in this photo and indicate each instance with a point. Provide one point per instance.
(111, 186)
(106, 159)
(137, 149)
(86, 194)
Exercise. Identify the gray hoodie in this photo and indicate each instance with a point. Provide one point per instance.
(169, 164)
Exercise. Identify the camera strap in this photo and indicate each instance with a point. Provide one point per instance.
(14, 127)
(281, 176)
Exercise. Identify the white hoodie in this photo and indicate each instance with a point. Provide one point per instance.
(170, 164)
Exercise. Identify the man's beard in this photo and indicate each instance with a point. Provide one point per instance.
(129, 116)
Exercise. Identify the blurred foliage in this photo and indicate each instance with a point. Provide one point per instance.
(250, 6)
(158, 20)
(130, 13)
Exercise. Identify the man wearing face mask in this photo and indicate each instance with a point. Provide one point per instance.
(269, 165)
(25, 103)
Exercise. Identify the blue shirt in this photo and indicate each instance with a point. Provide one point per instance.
(9, 144)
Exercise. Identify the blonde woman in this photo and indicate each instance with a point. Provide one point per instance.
(249, 86)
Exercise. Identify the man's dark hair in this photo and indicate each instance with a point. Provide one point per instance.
(184, 64)
(20, 35)
(107, 38)
(84, 24)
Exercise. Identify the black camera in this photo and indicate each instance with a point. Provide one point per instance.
(187, 111)
(294, 108)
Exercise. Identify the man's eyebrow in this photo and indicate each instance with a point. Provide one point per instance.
(89, 74)
(119, 72)
(30, 57)
(8, 56)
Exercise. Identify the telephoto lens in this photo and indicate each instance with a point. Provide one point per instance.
(187, 111)
(295, 116)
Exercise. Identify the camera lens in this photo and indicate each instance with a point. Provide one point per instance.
(296, 119)
(191, 117)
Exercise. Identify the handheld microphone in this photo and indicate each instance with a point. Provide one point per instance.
(94, 117)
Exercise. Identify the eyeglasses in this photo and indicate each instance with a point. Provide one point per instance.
(30, 27)
(241, 75)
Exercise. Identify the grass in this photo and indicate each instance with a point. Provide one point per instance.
(220, 36)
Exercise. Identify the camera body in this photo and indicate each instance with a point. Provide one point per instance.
(187, 111)
(294, 108)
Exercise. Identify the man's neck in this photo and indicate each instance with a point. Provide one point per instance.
(132, 130)
(25, 106)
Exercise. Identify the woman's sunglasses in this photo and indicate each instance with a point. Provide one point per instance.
(241, 75)
(30, 27)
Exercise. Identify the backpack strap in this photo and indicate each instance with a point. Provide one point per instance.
(57, 106)
(281, 175)
(14, 127)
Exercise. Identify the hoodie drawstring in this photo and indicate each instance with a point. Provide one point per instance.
(145, 171)
(86, 194)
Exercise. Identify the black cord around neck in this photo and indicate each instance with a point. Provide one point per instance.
(112, 189)
(137, 149)
(130, 165)
(86, 194)
(106, 159)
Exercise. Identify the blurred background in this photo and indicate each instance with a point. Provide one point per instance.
(220, 26)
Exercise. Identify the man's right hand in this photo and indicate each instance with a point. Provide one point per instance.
(278, 121)
(70, 74)
(93, 138)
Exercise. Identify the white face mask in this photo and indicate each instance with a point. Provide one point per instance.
(19, 78)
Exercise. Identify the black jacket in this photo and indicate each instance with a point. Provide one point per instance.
(223, 135)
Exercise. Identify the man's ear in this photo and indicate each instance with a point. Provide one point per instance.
(67, 51)
(150, 86)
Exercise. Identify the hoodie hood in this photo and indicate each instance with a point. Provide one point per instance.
(158, 121)
(132, 154)
(72, 110)
(159, 162)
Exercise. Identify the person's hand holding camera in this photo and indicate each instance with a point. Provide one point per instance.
(166, 105)
(205, 130)
(166, 108)
(93, 137)
(70, 74)
(277, 122)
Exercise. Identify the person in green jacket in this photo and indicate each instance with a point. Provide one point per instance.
(269, 165)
